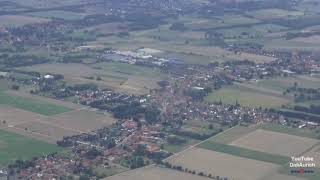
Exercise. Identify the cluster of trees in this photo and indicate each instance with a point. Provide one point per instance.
(22, 60)
(84, 87)
(176, 140)
(313, 109)
(303, 94)
(136, 162)
(178, 26)
(214, 38)
(93, 153)
(198, 94)
(128, 110)
(186, 170)
(298, 115)
(142, 21)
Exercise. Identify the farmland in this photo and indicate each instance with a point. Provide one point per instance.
(123, 77)
(46, 119)
(275, 13)
(57, 15)
(155, 173)
(223, 165)
(263, 93)
(238, 147)
(13, 147)
(52, 128)
(247, 97)
(286, 144)
(31, 105)
(13, 20)
(245, 153)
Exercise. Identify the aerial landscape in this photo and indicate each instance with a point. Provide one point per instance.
(159, 89)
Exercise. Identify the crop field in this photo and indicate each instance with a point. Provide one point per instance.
(290, 131)
(215, 53)
(248, 96)
(31, 105)
(256, 31)
(53, 128)
(108, 28)
(47, 119)
(275, 13)
(13, 147)
(223, 165)
(232, 134)
(66, 15)
(290, 45)
(245, 152)
(282, 83)
(311, 39)
(27, 95)
(46, 130)
(196, 23)
(176, 148)
(275, 143)
(230, 153)
(15, 20)
(154, 173)
(264, 93)
(82, 120)
(123, 77)
(13, 116)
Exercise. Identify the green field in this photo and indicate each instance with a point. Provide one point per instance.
(275, 13)
(282, 83)
(197, 23)
(247, 97)
(58, 14)
(32, 105)
(255, 31)
(13, 147)
(230, 135)
(245, 153)
(267, 93)
(176, 148)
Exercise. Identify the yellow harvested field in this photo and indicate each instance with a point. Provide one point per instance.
(82, 120)
(13, 116)
(224, 165)
(46, 129)
(155, 173)
(275, 143)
